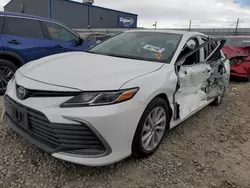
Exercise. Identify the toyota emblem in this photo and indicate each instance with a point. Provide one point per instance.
(21, 93)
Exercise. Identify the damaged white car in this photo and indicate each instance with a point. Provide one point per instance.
(117, 99)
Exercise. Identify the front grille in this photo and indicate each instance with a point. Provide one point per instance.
(73, 138)
(43, 93)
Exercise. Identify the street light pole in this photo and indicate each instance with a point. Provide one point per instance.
(50, 8)
(237, 25)
(155, 24)
(190, 24)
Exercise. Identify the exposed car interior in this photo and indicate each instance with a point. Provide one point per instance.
(199, 80)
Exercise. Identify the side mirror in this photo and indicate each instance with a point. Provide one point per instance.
(191, 44)
(80, 41)
(77, 42)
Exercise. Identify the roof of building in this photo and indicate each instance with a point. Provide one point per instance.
(25, 16)
(86, 4)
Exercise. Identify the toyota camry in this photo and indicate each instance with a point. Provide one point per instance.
(117, 99)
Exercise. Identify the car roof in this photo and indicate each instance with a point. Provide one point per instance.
(187, 33)
(2, 13)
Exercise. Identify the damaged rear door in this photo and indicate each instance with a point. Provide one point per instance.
(203, 74)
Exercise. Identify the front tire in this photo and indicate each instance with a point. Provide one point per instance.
(151, 128)
(7, 71)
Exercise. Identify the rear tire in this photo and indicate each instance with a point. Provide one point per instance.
(151, 128)
(7, 71)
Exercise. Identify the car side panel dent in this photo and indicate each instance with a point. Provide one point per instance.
(201, 83)
(220, 79)
(192, 77)
(191, 95)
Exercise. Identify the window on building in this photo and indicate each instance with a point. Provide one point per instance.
(58, 32)
(23, 27)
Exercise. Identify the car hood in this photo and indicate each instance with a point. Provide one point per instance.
(235, 51)
(85, 71)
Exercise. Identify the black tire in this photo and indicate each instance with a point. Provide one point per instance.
(137, 148)
(5, 77)
(217, 101)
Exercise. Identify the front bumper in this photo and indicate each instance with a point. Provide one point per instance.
(53, 137)
(113, 125)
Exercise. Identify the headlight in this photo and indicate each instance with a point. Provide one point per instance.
(100, 98)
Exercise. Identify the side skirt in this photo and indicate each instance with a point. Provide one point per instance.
(174, 123)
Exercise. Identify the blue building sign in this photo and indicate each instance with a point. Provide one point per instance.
(128, 22)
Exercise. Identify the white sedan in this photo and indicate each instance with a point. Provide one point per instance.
(118, 98)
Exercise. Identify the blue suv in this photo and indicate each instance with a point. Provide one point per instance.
(24, 38)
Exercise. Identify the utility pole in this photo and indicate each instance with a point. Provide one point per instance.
(190, 24)
(50, 8)
(155, 24)
(237, 25)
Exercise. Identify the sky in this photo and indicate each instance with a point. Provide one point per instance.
(177, 13)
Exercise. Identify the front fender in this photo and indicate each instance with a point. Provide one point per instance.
(162, 81)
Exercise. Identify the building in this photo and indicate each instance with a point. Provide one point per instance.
(73, 14)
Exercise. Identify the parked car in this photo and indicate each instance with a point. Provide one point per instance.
(118, 98)
(95, 37)
(24, 38)
(237, 49)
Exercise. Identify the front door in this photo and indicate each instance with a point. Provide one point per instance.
(63, 39)
(202, 76)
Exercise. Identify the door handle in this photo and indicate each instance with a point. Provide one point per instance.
(58, 46)
(14, 42)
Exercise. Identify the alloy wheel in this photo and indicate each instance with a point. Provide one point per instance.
(6, 75)
(153, 128)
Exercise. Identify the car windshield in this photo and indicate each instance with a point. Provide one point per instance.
(242, 42)
(148, 46)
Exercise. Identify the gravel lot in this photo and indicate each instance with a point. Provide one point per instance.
(210, 149)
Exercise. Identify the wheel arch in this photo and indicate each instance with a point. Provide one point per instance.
(12, 57)
(166, 99)
(136, 143)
